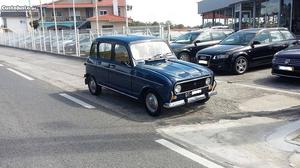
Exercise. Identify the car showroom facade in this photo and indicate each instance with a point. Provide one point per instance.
(242, 14)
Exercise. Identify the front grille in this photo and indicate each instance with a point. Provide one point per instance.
(292, 61)
(192, 85)
(204, 57)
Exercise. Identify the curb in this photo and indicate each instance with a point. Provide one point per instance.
(290, 138)
(48, 53)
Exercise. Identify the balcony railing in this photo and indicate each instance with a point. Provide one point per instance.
(63, 19)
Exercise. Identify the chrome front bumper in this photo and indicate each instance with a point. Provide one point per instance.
(189, 100)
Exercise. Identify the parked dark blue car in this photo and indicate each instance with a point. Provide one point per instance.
(287, 63)
(145, 68)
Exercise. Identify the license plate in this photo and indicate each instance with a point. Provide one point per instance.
(202, 62)
(196, 92)
(286, 68)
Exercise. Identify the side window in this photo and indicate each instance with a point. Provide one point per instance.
(218, 35)
(276, 36)
(105, 50)
(288, 35)
(93, 52)
(121, 54)
(263, 37)
(204, 36)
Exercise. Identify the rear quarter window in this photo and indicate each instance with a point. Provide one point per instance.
(288, 35)
(276, 36)
(93, 52)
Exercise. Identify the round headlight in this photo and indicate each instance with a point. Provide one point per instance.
(208, 81)
(177, 89)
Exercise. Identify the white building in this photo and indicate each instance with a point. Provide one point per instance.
(17, 21)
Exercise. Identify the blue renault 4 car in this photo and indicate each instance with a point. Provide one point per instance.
(145, 68)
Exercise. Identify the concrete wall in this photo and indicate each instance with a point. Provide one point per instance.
(117, 25)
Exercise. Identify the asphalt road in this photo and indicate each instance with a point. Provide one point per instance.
(40, 128)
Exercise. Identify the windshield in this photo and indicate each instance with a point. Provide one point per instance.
(239, 38)
(187, 38)
(150, 50)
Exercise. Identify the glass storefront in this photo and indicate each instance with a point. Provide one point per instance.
(285, 14)
(296, 17)
(267, 13)
(258, 13)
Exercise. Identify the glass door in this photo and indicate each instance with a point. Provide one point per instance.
(296, 18)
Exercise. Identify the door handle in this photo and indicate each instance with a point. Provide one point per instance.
(112, 66)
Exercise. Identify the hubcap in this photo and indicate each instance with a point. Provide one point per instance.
(241, 65)
(151, 102)
(93, 85)
(185, 57)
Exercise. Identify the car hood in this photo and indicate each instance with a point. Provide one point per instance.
(291, 53)
(220, 49)
(177, 70)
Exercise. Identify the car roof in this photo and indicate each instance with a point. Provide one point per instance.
(126, 38)
(209, 29)
(255, 30)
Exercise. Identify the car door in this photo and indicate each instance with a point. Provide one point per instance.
(204, 40)
(120, 76)
(278, 42)
(103, 62)
(261, 49)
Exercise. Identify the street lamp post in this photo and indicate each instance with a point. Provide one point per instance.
(43, 26)
(97, 17)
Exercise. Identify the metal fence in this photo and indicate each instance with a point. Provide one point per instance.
(64, 41)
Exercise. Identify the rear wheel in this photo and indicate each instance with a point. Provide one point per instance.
(184, 57)
(94, 88)
(153, 103)
(240, 65)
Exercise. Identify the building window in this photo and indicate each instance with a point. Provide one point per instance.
(107, 26)
(103, 12)
(58, 13)
(267, 13)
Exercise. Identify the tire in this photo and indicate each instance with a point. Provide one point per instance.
(184, 56)
(240, 65)
(94, 88)
(152, 103)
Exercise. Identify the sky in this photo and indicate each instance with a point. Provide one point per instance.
(177, 11)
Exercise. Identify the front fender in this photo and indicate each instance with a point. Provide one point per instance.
(235, 55)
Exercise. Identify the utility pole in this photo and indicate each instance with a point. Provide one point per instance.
(55, 25)
(97, 17)
(75, 29)
(43, 26)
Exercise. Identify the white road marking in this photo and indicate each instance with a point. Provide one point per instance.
(188, 154)
(20, 74)
(262, 88)
(88, 106)
(1, 65)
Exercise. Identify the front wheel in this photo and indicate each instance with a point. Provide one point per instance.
(184, 57)
(153, 104)
(94, 88)
(240, 65)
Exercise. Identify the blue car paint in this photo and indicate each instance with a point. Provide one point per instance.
(289, 57)
(160, 76)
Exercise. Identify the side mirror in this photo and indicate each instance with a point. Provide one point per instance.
(255, 43)
(126, 64)
(196, 42)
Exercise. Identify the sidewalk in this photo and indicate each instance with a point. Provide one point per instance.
(243, 143)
